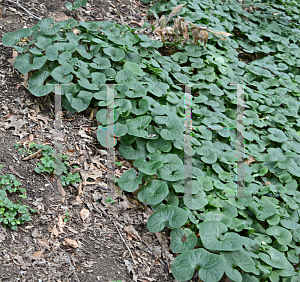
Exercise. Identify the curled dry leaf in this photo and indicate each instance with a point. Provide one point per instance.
(84, 214)
(71, 243)
(251, 160)
(175, 11)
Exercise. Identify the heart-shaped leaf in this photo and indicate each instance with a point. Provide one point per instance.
(182, 240)
(210, 266)
(176, 217)
(211, 234)
(128, 181)
(154, 192)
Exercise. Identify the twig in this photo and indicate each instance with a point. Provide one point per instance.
(70, 264)
(12, 169)
(33, 155)
(125, 243)
(17, 3)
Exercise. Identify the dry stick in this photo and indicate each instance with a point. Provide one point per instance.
(33, 155)
(125, 243)
(17, 3)
(70, 264)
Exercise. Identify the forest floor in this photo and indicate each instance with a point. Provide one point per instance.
(97, 241)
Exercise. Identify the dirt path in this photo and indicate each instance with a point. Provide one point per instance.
(102, 246)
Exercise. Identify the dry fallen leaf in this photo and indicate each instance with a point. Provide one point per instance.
(37, 254)
(14, 56)
(61, 224)
(78, 200)
(71, 243)
(54, 231)
(132, 232)
(251, 160)
(84, 214)
(43, 243)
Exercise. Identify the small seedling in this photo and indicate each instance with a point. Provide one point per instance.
(12, 214)
(48, 163)
(67, 217)
(109, 200)
(17, 145)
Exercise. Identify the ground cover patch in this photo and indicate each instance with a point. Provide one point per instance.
(249, 239)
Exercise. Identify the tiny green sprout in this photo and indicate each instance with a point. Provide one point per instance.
(17, 145)
(67, 217)
(118, 163)
(109, 200)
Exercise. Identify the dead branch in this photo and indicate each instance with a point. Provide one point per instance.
(18, 4)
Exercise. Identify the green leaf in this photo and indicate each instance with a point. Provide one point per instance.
(115, 54)
(102, 137)
(134, 67)
(123, 75)
(176, 217)
(159, 145)
(128, 181)
(211, 267)
(11, 38)
(69, 6)
(174, 126)
(48, 26)
(62, 74)
(182, 240)
(260, 71)
(81, 101)
(137, 125)
(240, 259)
(38, 62)
(211, 235)
(36, 86)
(152, 43)
(143, 107)
(195, 202)
(170, 172)
(205, 183)
(128, 152)
(277, 135)
(22, 63)
(79, 3)
(81, 49)
(274, 258)
(181, 77)
(52, 53)
(282, 235)
(154, 192)
(100, 63)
